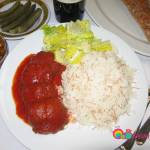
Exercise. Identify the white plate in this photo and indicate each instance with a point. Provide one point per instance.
(114, 16)
(74, 136)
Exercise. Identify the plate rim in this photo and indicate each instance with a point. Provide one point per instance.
(108, 25)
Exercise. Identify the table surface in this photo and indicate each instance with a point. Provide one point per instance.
(9, 142)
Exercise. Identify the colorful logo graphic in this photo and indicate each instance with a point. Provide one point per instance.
(120, 134)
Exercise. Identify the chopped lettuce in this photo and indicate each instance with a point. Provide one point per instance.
(71, 41)
(59, 56)
(73, 55)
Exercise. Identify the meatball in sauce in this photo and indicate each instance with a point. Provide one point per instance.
(35, 93)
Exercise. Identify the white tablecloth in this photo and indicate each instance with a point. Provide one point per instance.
(9, 142)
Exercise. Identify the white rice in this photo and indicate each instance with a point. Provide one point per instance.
(98, 90)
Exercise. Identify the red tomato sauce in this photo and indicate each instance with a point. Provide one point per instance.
(36, 95)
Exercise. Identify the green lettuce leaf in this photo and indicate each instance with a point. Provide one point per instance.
(71, 41)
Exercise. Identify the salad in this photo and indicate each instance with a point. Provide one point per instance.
(70, 42)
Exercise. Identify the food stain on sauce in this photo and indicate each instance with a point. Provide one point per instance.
(36, 95)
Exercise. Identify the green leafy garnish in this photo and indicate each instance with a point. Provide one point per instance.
(71, 41)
